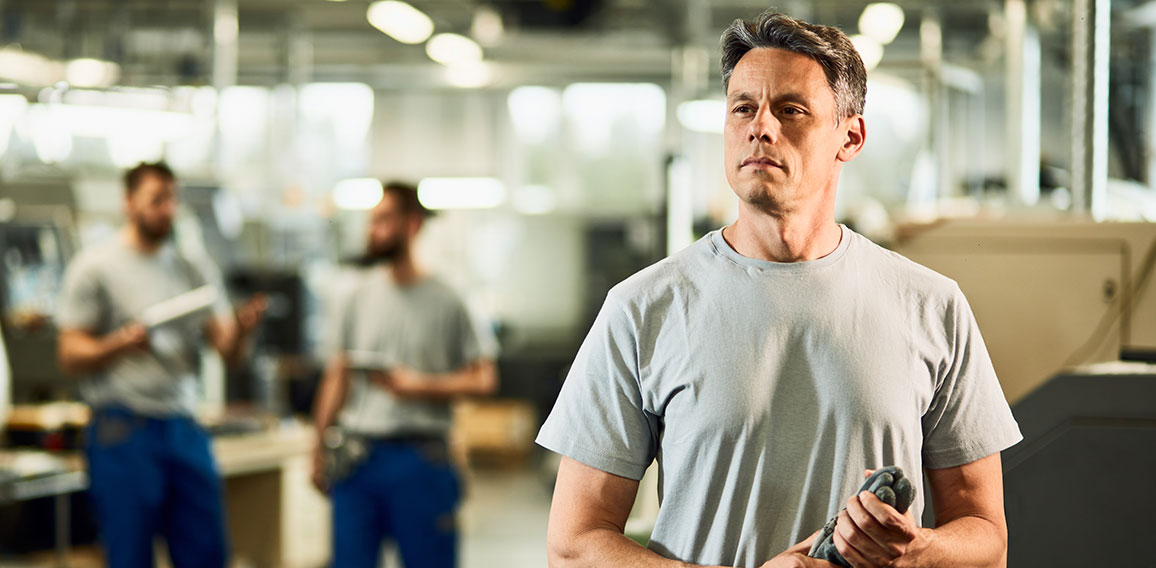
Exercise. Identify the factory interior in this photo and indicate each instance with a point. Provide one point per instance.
(562, 146)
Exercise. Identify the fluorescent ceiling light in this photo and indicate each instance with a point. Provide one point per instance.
(400, 21)
(450, 49)
(881, 21)
(469, 75)
(91, 73)
(708, 115)
(487, 26)
(460, 193)
(869, 49)
(357, 193)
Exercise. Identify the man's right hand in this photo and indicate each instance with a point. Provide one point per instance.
(131, 338)
(318, 473)
(796, 557)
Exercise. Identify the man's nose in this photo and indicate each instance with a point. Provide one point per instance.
(764, 127)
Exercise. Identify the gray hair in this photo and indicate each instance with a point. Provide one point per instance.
(828, 46)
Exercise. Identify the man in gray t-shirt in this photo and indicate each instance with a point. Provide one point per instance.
(150, 469)
(769, 364)
(403, 348)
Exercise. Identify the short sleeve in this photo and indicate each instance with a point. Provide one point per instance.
(969, 418)
(598, 418)
(81, 302)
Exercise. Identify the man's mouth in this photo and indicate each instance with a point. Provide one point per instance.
(761, 161)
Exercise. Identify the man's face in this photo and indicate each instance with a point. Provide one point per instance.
(389, 229)
(782, 138)
(151, 207)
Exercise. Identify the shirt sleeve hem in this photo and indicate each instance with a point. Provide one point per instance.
(597, 460)
(954, 457)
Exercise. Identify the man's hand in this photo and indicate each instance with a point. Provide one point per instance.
(796, 557)
(872, 533)
(250, 313)
(131, 338)
(320, 481)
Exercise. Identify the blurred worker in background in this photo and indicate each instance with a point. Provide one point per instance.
(403, 348)
(771, 362)
(149, 462)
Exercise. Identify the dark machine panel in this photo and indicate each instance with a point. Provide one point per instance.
(1079, 490)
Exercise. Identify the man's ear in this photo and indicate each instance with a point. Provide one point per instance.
(855, 135)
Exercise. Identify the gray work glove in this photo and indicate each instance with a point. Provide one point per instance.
(889, 485)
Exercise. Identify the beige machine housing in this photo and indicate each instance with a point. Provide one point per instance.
(1048, 295)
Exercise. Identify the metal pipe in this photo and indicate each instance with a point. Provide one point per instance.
(1023, 104)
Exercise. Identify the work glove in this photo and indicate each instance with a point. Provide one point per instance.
(889, 485)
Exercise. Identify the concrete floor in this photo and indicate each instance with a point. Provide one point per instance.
(503, 520)
(503, 523)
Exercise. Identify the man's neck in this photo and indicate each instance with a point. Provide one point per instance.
(135, 240)
(404, 270)
(783, 238)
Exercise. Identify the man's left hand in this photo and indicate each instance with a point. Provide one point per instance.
(250, 313)
(871, 533)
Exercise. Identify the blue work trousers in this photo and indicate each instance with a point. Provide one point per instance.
(405, 491)
(152, 477)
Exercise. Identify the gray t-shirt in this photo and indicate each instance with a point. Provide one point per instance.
(424, 326)
(765, 389)
(110, 285)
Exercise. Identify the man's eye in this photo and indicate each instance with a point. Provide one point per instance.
(742, 109)
(792, 110)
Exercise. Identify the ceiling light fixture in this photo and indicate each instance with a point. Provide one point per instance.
(400, 21)
(357, 193)
(461, 192)
(451, 49)
(881, 21)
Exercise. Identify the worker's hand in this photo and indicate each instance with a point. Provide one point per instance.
(796, 557)
(132, 338)
(250, 313)
(872, 533)
(318, 473)
(402, 382)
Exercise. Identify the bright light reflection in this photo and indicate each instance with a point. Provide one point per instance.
(357, 193)
(708, 115)
(881, 21)
(460, 193)
(449, 49)
(535, 112)
(400, 21)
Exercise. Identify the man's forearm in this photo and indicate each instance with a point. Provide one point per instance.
(961, 543)
(477, 379)
(79, 353)
(331, 395)
(607, 547)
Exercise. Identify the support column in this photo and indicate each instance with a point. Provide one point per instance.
(1023, 105)
(1090, 37)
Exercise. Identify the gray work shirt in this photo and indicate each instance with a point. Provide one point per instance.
(423, 326)
(108, 286)
(765, 389)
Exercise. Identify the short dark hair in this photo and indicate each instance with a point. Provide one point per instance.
(827, 45)
(136, 175)
(406, 194)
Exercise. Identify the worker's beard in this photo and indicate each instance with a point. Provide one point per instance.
(388, 251)
(154, 232)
